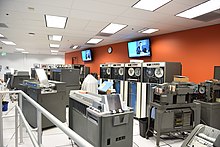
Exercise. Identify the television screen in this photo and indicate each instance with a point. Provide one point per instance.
(140, 48)
(86, 55)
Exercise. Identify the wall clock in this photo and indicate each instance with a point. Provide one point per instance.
(110, 50)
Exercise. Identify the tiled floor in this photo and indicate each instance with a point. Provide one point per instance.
(56, 138)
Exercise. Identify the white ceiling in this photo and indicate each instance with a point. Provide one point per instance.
(86, 18)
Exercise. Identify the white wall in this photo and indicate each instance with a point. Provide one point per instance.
(24, 62)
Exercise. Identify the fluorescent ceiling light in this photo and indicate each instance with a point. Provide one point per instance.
(94, 41)
(55, 37)
(113, 28)
(19, 49)
(8, 42)
(75, 47)
(148, 31)
(54, 51)
(55, 21)
(201, 9)
(150, 5)
(25, 52)
(54, 45)
(2, 35)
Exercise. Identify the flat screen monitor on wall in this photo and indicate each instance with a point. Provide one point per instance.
(139, 48)
(86, 55)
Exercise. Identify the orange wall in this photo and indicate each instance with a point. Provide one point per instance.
(198, 50)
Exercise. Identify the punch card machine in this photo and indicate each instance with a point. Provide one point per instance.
(118, 77)
(102, 120)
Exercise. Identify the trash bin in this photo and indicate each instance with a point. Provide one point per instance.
(143, 126)
(4, 106)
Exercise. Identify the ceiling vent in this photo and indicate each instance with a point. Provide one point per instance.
(104, 34)
(2, 25)
(209, 16)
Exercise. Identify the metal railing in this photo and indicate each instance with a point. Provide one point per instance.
(40, 110)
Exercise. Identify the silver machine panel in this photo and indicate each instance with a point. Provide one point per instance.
(118, 71)
(161, 72)
(203, 136)
(102, 120)
(118, 77)
(133, 72)
(105, 71)
(133, 79)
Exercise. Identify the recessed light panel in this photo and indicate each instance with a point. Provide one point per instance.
(25, 52)
(19, 49)
(55, 21)
(113, 28)
(54, 45)
(148, 31)
(55, 37)
(8, 42)
(150, 5)
(2, 36)
(75, 47)
(94, 41)
(54, 51)
(201, 9)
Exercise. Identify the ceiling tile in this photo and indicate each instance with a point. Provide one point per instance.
(99, 7)
(86, 18)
